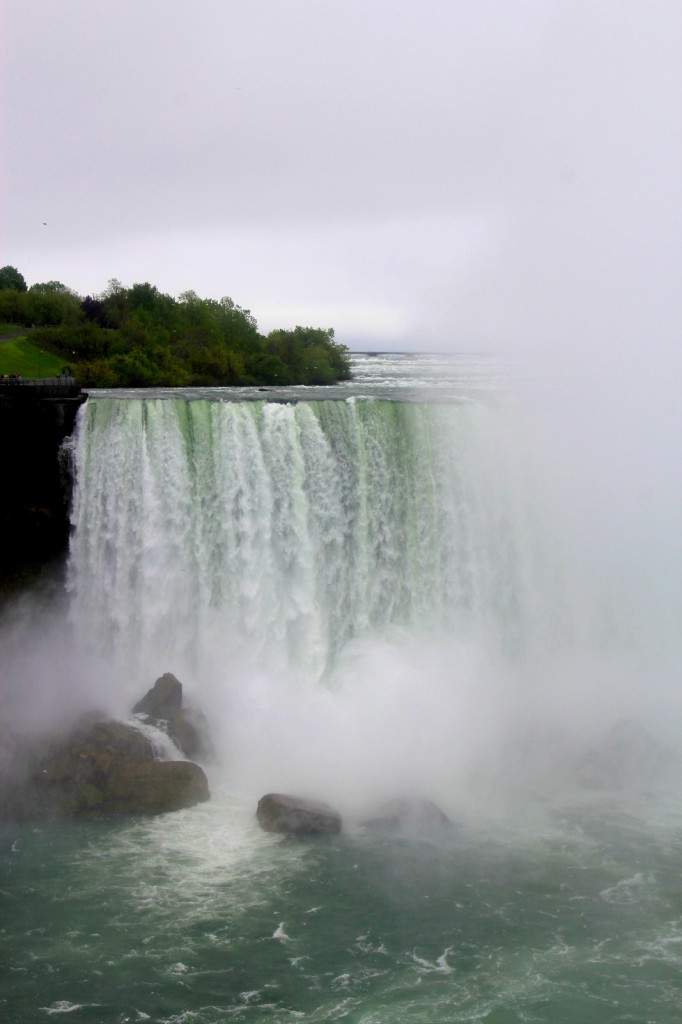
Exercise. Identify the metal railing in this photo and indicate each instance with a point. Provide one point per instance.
(64, 387)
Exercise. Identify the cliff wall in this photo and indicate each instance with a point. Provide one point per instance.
(36, 488)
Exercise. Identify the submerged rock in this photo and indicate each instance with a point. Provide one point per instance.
(408, 814)
(295, 816)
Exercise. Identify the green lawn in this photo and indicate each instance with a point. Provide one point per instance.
(18, 355)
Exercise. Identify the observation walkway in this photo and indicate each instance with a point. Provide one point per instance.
(39, 387)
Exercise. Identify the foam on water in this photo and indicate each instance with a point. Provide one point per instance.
(201, 915)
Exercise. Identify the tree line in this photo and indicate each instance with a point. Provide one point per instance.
(141, 337)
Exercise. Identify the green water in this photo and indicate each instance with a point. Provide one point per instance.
(567, 915)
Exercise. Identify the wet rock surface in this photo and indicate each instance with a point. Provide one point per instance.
(296, 816)
(187, 727)
(100, 768)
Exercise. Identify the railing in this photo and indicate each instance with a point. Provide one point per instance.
(45, 387)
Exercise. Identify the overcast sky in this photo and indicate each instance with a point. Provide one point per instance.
(433, 174)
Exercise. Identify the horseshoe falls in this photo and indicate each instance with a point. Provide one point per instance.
(412, 585)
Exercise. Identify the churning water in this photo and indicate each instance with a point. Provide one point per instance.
(399, 586)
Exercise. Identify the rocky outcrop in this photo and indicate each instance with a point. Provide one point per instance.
(187, 727)
(294, 816)
(163, 700)
(108, 767)
(408, 814)
(100, 768)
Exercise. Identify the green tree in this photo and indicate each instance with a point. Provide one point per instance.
(12, 306)
(11, 278)
(50, 286)
(114, 301)
(51, 307)
(141, 337)
(310, 354)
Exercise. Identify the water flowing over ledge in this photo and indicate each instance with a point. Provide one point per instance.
(279, 532)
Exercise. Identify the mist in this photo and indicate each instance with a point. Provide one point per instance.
(532, 649)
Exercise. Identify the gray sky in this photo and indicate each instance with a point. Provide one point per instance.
(432, 174)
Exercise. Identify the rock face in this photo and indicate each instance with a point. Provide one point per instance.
(294, 816)
(187, 727)
(34, 504)
(408, 814)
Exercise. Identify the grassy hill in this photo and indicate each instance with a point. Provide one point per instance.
(19, 355)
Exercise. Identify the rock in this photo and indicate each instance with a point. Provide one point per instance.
(187, 727)
(73, 776)
(102, 768)
(190, 731)
(154, 787)
(295, 816)
(409, 815)
(163, 700)
(34, 509)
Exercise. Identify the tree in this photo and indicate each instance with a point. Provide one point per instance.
(94, 310)
(51, 307)
(311, 354)
(11, 278)
(44, 287)
(141, 337)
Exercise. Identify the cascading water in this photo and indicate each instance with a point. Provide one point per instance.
(409, 557)
(274, 533)
(370, 596)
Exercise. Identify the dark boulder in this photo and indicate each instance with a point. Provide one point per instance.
(408, 814)
(163, 700)
(187, 727)
(295, 816)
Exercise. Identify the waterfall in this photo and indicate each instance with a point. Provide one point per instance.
(272, 534)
